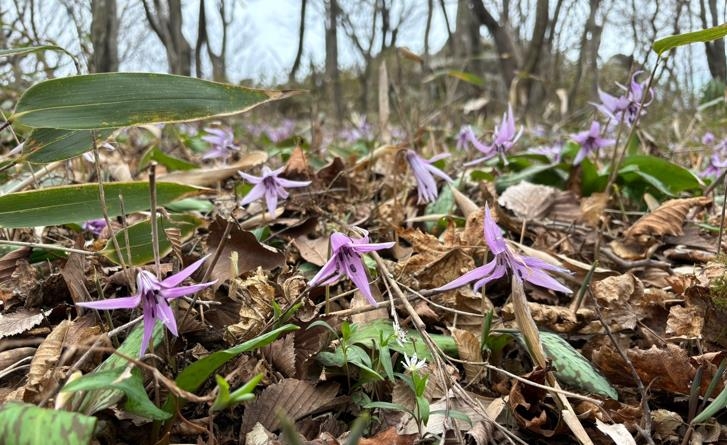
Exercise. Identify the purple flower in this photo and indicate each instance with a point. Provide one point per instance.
(94, 226)
(154, 296)
(466, 136)
(423, 171)
(590, 141)
(552, 152)
(715, 166)
(530, 269)
(504, 138)
(222, 141)
(269, 186)
(346, 260)
(626, 106)
(708, 138)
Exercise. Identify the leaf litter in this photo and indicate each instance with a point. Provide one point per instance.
(652, 312)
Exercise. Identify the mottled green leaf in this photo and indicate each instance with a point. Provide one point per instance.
(131, 385)
(75, 203)
(140, 241)
(25, 424)
(112, 100)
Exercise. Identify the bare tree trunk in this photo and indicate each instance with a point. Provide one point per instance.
(715, 49)
(535, 50)
(104, 36)
(218, 61)
(332, 78)
(588, 29)
(165, 20)
(450, 36)
(301, 34)
(503, 42)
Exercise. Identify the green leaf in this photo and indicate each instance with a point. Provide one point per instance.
(140, 241)
(112, 100)
(572, 368)
(46, 145)
(194, 375)
(667, 177)
(705, 35)
(131, 384)
(74, 203)
(25, 424)
(387, 405)
(467, 77)
(170, 162)
(190, 205)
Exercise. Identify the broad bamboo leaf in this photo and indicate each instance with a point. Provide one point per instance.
(704, 35)
(140, 242)
(75, 203)
(46, 145)
(112, 100)
(26, 424)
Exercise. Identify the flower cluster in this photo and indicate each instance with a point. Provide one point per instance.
(424, 172)
(626, 106)
(524, 268)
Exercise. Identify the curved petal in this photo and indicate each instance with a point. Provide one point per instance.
(493, 235)
(149, 322)
(176, 292)
(255, 193)
(328, 269)
(370, 247)
(435, 171)
(356, 271)
(250, 178)
(475, 274)
(498, 272)
(339, 240)
(541, 278)
(113, 303)
(439, 157)
(166, 315)
(288, 183)
(178, 277)
(271, 200)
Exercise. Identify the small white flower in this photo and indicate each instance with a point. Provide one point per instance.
(401, 336)
(413, 363)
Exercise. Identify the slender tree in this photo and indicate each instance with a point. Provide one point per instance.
(715, 49)
(165, 19)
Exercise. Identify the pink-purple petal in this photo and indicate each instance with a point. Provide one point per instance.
(176, 292)
(180, 276)
(113, 303)
(474, 274)
(255, 193)
(288, 183)
(149, 322)
(356, 271)
(165, 314)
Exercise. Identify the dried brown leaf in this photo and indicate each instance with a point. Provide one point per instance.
(687, 322)
(290, 398)
(312, 250)
(668, 219)
(12, 356)
(74, 276)
(390, 437)
(281, 354)
(48, 353)
(20, 321)
(528, 201)
(8, 261)
(468, 347)
(256, 294)
(211, 176)
(465, 204)
(592, 208)
(255, 254)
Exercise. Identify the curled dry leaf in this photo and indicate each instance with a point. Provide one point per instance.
(289, 398)
(8, 261)
(528, 201)
(686, 322)
(256, 294)
(46, 356)
(19, 321)
(468, 348)
(668, 219)
(73, 273)
(592, 208)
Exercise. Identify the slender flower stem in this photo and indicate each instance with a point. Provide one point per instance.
(154, 227)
